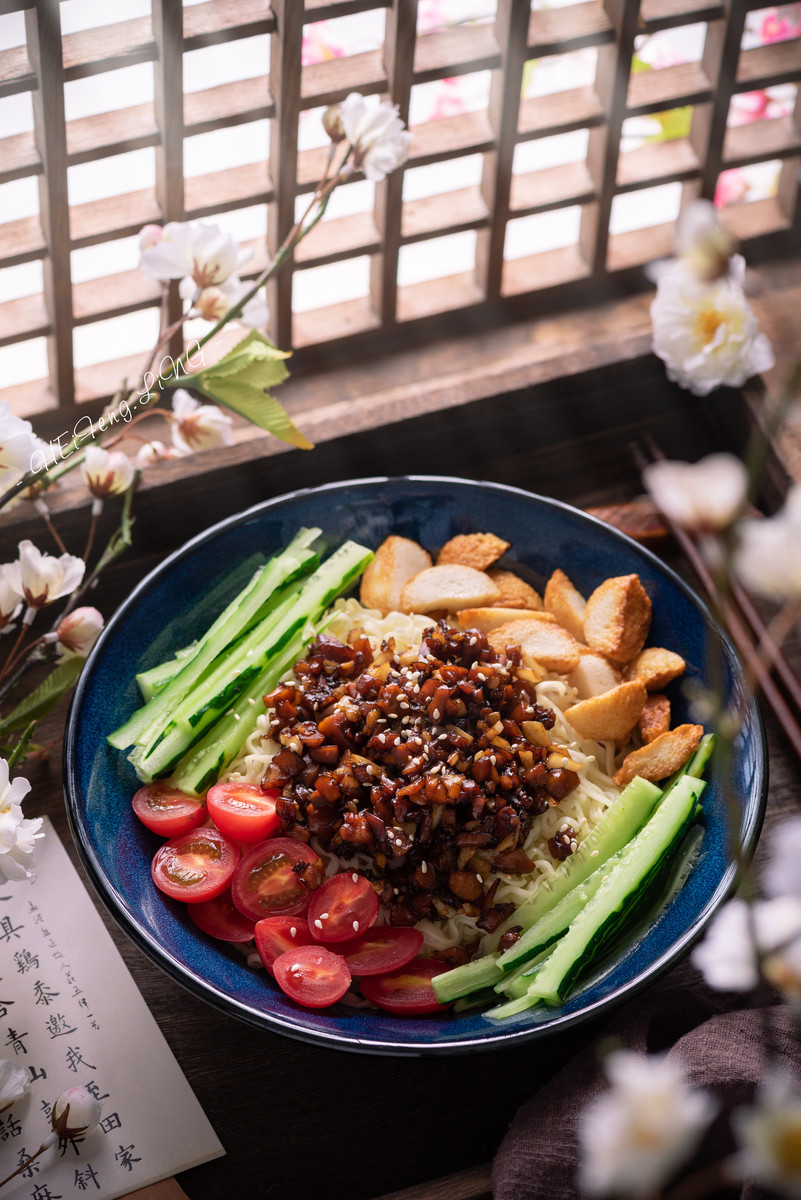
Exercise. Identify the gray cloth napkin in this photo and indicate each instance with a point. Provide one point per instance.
(719, 1042)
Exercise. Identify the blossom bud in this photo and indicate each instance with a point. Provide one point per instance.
(332, 123)
(106, 473)
(79, 631)
(150, 236)
(155, 451)
(13, 1083)
(75, 1112)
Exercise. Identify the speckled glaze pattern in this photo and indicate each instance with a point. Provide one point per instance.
(177, 600)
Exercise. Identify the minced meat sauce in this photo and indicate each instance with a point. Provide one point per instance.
(420, 762)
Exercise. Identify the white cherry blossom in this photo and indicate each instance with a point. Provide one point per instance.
(728, 956)
(638, 1133)
(156, 451)
(198, 426)
(781, 876)
(42, 578)
(707, 495)
(200, 255)
(13, 1083)
(78, 632)
(214, 302)
(17, 833)
(149, 236)
(17, 444)
(376, 132)
(106, 472)
(705, 333)
(75, 1113)
(10, 604)
(769, 1135)
(768, 558)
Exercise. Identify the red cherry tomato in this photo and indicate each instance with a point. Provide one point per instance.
(312, 975)
(243, 811)
(275, 935)
(382, 948)
(220, 918)
(342, 907)
(407, 991)
(272, 880)
(197, 866)
(166, 810)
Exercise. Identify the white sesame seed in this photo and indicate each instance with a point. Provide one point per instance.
(236, 716)
(441, 737)
(492, 759)
(323, 916)
(404, 707)
(293, 931)
(423, 868)
(436, 715)
(297, 969)
(356, 926)
(355, 877)
(479, 878)
(251, 700)
(594, 854)
(318, 924)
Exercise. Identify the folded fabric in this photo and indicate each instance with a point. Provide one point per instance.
(721, 1045)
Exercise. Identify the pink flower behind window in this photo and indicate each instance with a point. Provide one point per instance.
(780, 24)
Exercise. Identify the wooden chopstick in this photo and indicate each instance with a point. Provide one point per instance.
(736, 627)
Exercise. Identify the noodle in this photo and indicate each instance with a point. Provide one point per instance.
(582, 808)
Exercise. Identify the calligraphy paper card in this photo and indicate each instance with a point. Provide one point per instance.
(71, 1015)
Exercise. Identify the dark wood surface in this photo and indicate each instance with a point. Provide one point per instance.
(299, 1122)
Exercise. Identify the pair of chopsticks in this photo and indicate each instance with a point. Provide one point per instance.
(743, 623)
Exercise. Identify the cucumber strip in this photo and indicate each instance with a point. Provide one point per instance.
(601, 920)
(518, 982)
(697, 764)
(146, 723)
(475, 1000)
(552, 924)
(156, 678)
(205, 762)
(229, 678)
(461, 981)
(617, 827)
(512, 1007)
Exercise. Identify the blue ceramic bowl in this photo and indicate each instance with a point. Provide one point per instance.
(177, 600)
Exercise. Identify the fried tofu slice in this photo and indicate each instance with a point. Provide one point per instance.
(654, 718)
(655, 667)
(396, 561)
(611, 716)
(514, 591)
(545, 641)
(617, 618)
(594, 675)
(479, 550)
(450, 587)
(566, 603)
(487, 619)
(661, 757)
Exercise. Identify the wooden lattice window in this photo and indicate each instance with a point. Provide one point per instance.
(502, 187)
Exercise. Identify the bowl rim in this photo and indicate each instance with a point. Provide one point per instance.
(753, 815)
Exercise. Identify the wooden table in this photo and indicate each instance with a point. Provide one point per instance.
(300, 1122)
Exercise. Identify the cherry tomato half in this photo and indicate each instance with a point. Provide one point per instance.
(275, 935)
(276, 878)
(220, 918)
(342, 907)
(381, 949)
(243, 811)
(166, 810)
(407, 991)
(312, 975)
(197, 866)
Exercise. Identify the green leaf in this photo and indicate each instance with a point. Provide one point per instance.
(241, 381)
(44, 698)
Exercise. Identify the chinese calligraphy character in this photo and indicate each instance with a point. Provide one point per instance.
(74, 1060)
(58, 1026)
(124, 1157)
(112, 1121)
(4, 1006)
(27, 1169)
(65, 1143)
(9, 1127)
(26, 961)
(7, 930)
(43, 994)
(42, 1192)
(14, 1040)
(40, 1074)
(94, 1088)
(85, 1177)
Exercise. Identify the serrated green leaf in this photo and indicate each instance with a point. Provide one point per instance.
(45, 697)
(258, 406)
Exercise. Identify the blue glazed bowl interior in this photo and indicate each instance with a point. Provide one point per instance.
(180, 598)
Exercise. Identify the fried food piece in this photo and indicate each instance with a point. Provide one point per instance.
(479, 550)
(448, 587)
(514, 591)
(617, 618)
(396, 561)
(611, 716)
(661, 757)
(566, 603)
(545, 641)
(594, 675)
(487, 619)
(654, 718)
(655, 667)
